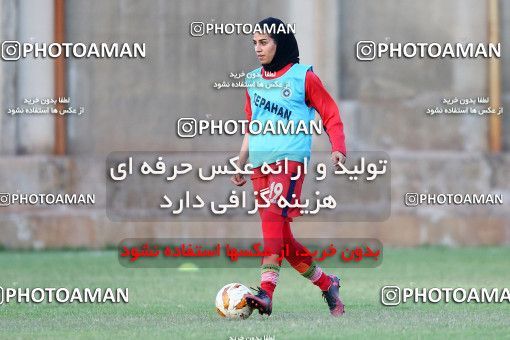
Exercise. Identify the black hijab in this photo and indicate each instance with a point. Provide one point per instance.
(287, 50)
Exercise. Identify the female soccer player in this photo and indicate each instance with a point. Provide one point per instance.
(295, 100)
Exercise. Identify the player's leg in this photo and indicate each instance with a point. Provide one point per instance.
(303, 263)
(270, 269)
(272, 231)
(273, 219)
(328, 284)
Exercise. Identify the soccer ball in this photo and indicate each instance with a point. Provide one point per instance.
(230, 301)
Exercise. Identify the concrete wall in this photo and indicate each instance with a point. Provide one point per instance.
(505, 61)
(135, 104)
(8, 124)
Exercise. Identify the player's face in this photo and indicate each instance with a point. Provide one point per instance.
(265, 47)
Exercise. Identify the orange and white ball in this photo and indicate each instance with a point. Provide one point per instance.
(230, 301)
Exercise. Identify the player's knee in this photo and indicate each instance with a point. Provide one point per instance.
(272, 259)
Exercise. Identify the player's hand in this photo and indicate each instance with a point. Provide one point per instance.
(238, 180)
(337, 157)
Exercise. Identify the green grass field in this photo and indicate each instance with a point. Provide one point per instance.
(167, 303)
